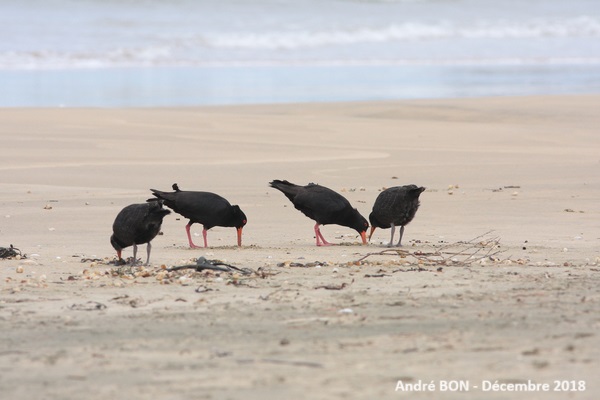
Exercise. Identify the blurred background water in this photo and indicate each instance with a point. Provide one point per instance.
(115, 53)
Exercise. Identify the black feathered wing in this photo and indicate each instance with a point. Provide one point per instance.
(205, 208)
(321, 204)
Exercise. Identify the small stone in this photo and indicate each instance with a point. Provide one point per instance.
(20, 269)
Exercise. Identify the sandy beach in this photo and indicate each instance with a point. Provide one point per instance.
(498, 281)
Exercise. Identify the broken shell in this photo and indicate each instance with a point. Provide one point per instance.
(20, 269)
(161, 275)
(184, 280)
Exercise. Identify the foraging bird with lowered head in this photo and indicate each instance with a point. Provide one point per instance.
(394, 207)
(324, 206)
(206, 208)
(137, 224)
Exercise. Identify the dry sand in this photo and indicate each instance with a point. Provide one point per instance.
(523, 171)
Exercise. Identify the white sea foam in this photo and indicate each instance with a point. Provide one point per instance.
(101, 34)
(410, 31)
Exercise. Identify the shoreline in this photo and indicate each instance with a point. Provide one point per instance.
(286, 84)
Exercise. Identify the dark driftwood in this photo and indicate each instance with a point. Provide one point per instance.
(9, 252)
(214, 265)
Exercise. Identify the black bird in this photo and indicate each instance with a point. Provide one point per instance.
(137, 224)
(393, 207)
(324, 206)
(208, 209)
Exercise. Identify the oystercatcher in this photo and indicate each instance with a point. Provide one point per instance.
(206, 208)
(324, 206)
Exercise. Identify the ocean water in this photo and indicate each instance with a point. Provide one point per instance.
(114, 53)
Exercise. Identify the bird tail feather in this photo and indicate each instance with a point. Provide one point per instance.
(290, 190)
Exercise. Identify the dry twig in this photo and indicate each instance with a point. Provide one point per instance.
(457, 253)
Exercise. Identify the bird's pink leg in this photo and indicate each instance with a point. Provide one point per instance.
(320, 239)
(204, 232)
(187, 229)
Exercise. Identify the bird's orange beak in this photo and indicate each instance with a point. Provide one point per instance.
(371, 234)
(363, 236)
(239, 235)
